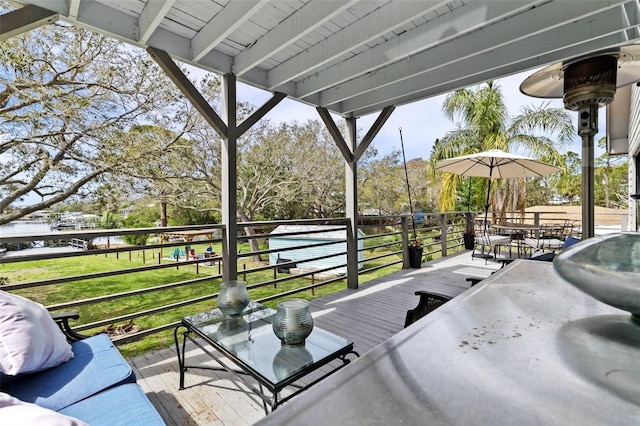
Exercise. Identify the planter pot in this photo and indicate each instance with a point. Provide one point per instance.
(469, 241)
(415, 257)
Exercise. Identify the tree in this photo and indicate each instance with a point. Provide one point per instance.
(321, 174)
(178, 163)
(109, 220)
(381, 185)
(484, 125)
(141, 216)
(61, 111)
(155, 157)
(569, 182)
(423, 190)
(611, 179)
(277, 177)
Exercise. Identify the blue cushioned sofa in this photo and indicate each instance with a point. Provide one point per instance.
(96, 386)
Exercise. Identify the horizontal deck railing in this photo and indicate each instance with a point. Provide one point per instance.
(139, 294)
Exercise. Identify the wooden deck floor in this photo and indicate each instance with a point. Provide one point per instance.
(367, 316)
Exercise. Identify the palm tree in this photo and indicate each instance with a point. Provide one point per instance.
(485, 124)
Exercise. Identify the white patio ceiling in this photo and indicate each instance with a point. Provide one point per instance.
(357, 57)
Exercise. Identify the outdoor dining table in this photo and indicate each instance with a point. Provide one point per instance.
(520, 229)
(523, 347)
(517, 231)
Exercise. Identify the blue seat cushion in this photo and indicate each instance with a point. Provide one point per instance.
(106, 408)
(96, 365)
(570, 241)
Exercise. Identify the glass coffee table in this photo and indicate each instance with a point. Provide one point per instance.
(249, 342)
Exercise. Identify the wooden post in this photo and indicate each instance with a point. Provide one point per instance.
(313, 281)
(443, 233)
(405, 242)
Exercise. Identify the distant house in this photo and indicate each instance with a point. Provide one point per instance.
(303, 238)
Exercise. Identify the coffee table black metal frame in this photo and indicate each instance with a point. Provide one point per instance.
(249, 343)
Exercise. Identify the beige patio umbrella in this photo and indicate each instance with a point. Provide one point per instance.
(495, 164)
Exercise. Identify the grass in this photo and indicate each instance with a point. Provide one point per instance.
(97, 311)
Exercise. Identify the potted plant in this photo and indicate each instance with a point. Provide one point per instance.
(415, 253)
(469, 239)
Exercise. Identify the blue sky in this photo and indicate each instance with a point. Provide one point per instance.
(421, 122)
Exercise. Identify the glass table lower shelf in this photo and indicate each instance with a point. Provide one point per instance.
(248, 342)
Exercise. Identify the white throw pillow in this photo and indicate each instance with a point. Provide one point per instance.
(16, 412)
(30, 340)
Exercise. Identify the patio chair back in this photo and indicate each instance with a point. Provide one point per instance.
(550, 238)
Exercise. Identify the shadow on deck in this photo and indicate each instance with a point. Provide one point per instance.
(367, 316)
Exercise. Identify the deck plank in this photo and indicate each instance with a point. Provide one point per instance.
(367, 316)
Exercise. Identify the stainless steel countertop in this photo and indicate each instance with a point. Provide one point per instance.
(522, 347)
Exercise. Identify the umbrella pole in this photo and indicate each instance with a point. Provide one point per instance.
(406, 175)
(469, 194)
(486, 208)
(486, 205)
(485, 226)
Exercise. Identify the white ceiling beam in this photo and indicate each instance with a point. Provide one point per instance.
(151, 17)
(58, 6)
(501, 35)
(24, 19)
(450, 25)
(358, 99)
(180, 48)
(474, 71)
(97, 17)
(105, 20)
(387, 18)
(233, 16)
(214, 61)
(300, 23)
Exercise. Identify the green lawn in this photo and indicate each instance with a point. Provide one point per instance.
(95, 311)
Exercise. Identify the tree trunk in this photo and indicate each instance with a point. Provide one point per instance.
(163, 214)
(520, 198)
(253, 242)
(499, 204)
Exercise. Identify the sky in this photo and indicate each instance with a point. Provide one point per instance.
(421, 122)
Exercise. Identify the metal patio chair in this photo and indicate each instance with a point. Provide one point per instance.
(427, 303)
(550, 238)
(484, 239)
